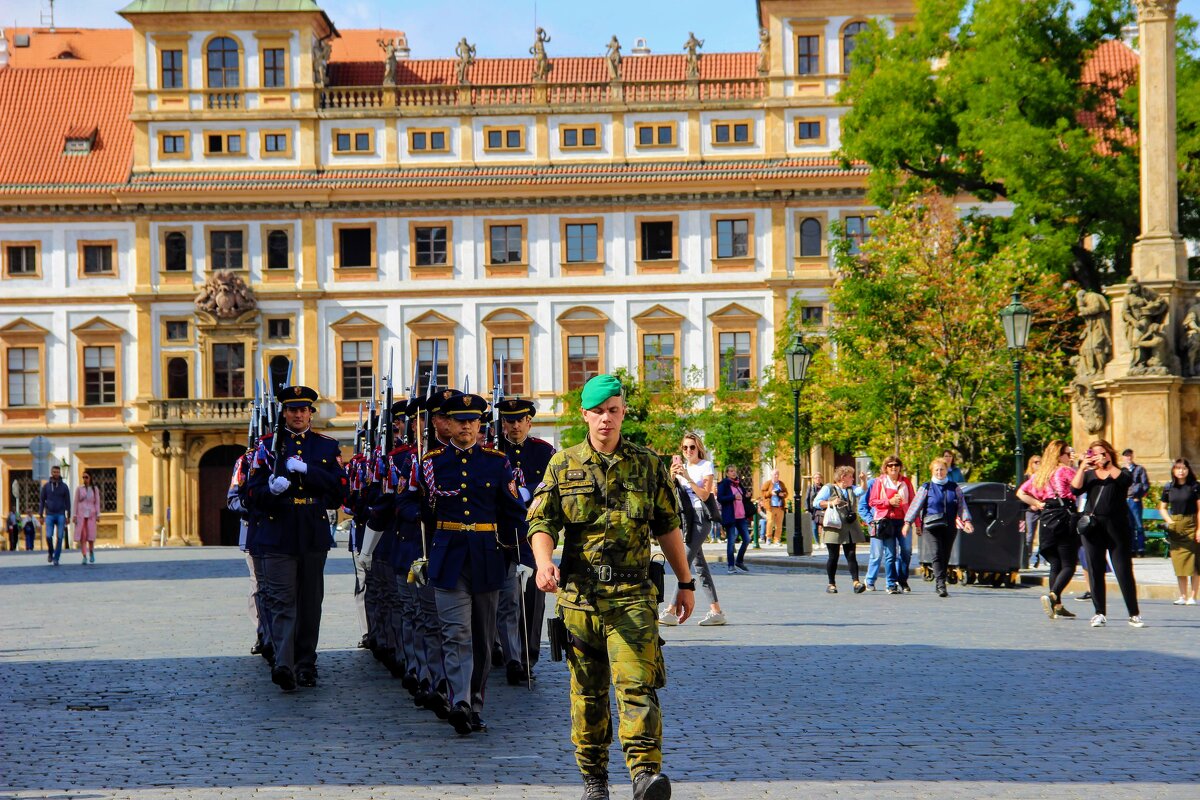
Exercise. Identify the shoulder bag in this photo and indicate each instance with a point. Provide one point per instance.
(833, 517)
(1087, 522)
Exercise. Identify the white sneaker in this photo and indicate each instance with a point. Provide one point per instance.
(1190, 602)
(713, 618)
(667, 618)
(1136, 621)
(1182, 601)
(1099, 621)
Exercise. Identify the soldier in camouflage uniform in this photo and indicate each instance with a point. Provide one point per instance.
(608, 497)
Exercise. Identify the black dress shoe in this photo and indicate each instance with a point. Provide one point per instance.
(941, 592)
(651, 785)
(515, 673)
(410, 683)
(283, 678)
(460, 719)
(438, 704)
(477, 723)
(497, 656)
(268, 653)
(306, 678)
(363, 643)
(257, 649)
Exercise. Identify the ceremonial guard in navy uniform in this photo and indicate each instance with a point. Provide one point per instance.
(355, 507)
(522, 604)
(471, 494)
(291, 499)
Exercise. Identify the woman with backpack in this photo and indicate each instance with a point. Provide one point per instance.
(1048, 492)
(942, 509)
(840, 497)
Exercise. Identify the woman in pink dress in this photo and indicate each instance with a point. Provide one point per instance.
(87, 514)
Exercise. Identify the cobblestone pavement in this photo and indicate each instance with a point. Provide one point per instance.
(804, 694)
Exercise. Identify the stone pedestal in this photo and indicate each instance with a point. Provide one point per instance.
(1145, 414)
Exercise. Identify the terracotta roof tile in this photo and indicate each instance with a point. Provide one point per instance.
(360, 45)
(41, 107)
(92, 47)
(1113, 68)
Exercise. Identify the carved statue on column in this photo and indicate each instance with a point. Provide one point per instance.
(1088, 403)
(321, 52)
(390, 47)
(764, 51)
(541, 62)
(1189, 349)
(692, 48)
(612, 57)
(466, 58)
(1095, 343)
(1145, 316)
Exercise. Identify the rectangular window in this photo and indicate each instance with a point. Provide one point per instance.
(353, 142)
(275, 143)
(732, 133)
(97, 259)
(808, 55)
(428, 141)
(734, 359)
(274, 67)
(24, 385)
(279, 328)
(660, 134)
(580, 137)
(431, 246)
(278, 250)
(503, 138)
(225, 250)
(506, 244)
(812, 315)
(175, 251)
(224, 144)
(658, 357)
(512, 351)
(658, 241)
(425, 363)
(172, 69)
(20, 260)
(733, 238)
(176, 330)
(582, 242)
(28, 490)
(357, 368)
(807, 130)
(99, 376)
(105, 482)
(229, 370)
(858, 230)
(583, 360)
(173, 144)
(355, 247)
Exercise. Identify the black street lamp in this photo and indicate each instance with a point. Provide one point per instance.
(1016, 319)
(798, 358)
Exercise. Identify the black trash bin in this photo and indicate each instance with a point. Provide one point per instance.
(994, 553)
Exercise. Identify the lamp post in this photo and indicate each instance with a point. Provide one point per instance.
(1016, 318)
(798, 358)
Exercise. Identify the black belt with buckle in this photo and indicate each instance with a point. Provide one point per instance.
(606, 574)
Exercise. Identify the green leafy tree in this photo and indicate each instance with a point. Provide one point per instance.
(658, 412)
(986, 98)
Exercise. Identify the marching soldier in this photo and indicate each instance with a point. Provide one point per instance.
(471, 494)
(609, 497)
(291, 496)
(528, 456)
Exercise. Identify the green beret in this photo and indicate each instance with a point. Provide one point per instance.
(599, 389)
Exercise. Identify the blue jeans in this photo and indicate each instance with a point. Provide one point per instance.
(740, 527)
(1136, 526)
(891, 544)
(904, 546)
(874, 560)
(55, 542)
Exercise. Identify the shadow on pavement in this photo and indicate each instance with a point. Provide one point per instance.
(150, 565)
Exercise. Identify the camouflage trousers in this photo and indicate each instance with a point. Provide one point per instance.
(618, 644)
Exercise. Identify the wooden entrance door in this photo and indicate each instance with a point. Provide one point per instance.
(217, 524)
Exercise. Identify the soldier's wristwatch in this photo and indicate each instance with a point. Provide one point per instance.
(690, 585)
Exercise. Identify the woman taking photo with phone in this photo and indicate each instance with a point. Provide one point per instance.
(694, 472)
(1048, 492)
(1104, 527)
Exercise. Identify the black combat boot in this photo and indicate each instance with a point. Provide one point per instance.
(651, 785)
(595, 787)
(460, 718)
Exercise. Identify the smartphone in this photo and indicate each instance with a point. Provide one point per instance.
(676, 459)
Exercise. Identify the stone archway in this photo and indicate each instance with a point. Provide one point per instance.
(215, 524)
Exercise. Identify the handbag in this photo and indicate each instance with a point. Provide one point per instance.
(1087, 522)
(833, 517)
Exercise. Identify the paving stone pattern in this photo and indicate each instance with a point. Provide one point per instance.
(803, 695)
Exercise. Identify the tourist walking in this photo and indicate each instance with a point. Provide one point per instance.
(1048, 492)
(87, 516)
(810, 505)
(54, 506)
(12, 526)
(1138, 488)
(846, 534)
(942, 510)
(694, 472)
(734, 518)
(1104, 527)
(1031, 559)
(774, 500)
(890, 497)
(866, 516)
(1179, 505)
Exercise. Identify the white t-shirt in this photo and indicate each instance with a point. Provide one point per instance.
(697, 472)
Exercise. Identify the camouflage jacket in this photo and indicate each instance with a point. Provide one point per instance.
(607, 514)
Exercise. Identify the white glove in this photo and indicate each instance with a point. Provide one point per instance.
(364, 562)
(367, 550)
(279, 484)
(525, 495)
(295, 464)
(524, 573)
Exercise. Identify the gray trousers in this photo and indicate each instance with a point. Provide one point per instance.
(695, 553)
(360, 595)
(259, 612)
(429, 635)
(380, 599)
(509, 618)
(468, 630)
(410, 608)
(295, 589)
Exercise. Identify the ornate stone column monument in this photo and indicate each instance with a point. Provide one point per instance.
(1134, 368)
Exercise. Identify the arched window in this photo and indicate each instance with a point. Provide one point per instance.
(810, 237)
(223, 65)
(849, 35)
(277, 250)
(177, 379)
(175, 246)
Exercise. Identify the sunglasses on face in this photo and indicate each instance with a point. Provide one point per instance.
(688, 447)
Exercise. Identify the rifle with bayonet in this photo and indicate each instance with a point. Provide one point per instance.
(387, 423)
(280, 423)
(493, 431)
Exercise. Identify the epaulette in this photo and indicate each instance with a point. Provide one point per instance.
(536, 440)
(400, 448)
(493, 451)
(436, 452)
(321, 435)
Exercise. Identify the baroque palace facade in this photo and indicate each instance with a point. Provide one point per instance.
(223, 185)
